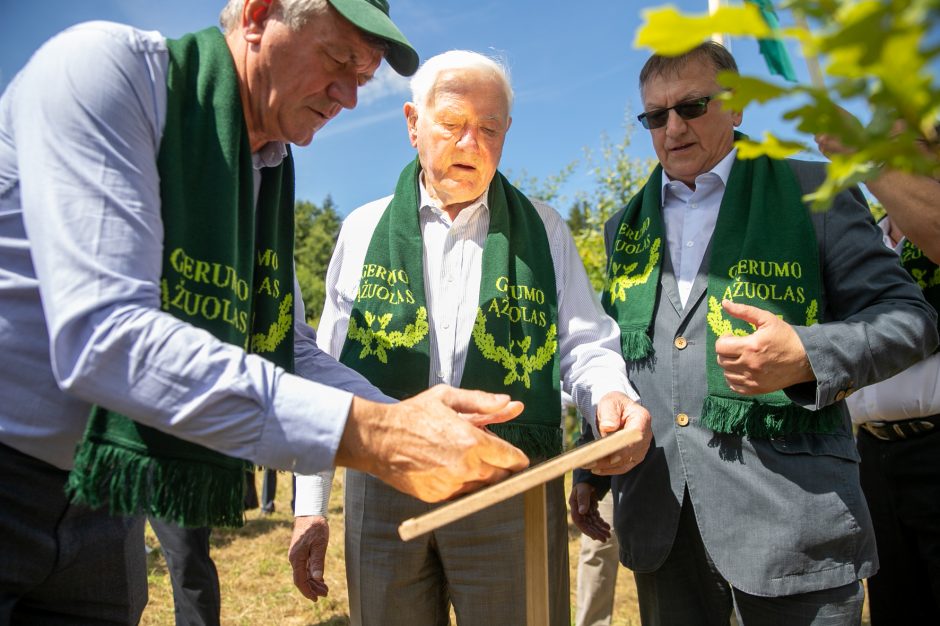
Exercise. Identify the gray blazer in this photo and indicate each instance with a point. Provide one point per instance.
(785, 515)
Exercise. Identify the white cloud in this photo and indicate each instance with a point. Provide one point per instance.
(345, 125)
(386, 83)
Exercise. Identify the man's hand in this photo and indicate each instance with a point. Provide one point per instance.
(307, 555)
(769, 359)
(616, 411)
(584, 513)
(430, 446)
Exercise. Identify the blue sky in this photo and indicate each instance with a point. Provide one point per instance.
(573, 68)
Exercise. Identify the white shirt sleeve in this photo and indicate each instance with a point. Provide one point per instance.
(591, 363)
(312, 492)
(914, 392)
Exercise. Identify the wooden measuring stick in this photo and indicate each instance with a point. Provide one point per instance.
(514, 485)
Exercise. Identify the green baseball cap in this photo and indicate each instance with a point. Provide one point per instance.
(372, 17)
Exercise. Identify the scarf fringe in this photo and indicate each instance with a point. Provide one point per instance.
(635, 344)
(187, 493)
(756, 419)
(537, 441)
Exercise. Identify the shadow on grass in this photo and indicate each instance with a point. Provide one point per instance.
(252, 529)
(341, 620)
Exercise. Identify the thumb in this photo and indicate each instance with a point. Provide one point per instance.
(607, 422)
(584, 501)
(750, 314)
(511, 411)
(500, 454)
(610, 412)
(316, 560)
(316, 556)
(473, 400)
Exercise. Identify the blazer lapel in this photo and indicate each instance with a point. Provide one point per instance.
(668, 280)
(699, 286)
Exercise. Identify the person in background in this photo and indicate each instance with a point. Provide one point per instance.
(912, 198)
(120, 151)
(746, 320)
(598, 562)
(899, 427)
(459, 278)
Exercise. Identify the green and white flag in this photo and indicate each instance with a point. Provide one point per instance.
(771, 48)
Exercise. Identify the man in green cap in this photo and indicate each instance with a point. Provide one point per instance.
(147, 299)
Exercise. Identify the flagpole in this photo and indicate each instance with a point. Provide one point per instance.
(812, 60)
(713, 6)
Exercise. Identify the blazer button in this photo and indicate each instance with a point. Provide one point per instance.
(682, 419)
(680, 343)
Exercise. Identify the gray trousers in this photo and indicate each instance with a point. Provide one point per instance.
(197, 600)
(477, 564)
(598, 562)
(60, 563)
(687, 589)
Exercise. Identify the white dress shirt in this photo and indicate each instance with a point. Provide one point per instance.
(689, 217)
(590, 360)
(914, 392)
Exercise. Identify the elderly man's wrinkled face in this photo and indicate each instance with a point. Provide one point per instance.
(459, 134)
(301, 79)
(687, 148)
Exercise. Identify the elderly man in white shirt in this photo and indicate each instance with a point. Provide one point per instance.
(481, 255)
(109, 160)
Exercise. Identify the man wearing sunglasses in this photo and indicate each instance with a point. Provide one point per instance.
(746, 320)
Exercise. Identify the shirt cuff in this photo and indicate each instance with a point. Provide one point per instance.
(312, 494)
(304, 432)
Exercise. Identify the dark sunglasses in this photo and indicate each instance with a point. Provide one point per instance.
(688, 110)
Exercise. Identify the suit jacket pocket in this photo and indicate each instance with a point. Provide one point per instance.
(839, 445)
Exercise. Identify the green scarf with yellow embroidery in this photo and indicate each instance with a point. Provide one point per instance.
(227, 269)
(763, 253)
(514, 346)
(925, 273)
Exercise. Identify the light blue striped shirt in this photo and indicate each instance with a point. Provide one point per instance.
(81, 244)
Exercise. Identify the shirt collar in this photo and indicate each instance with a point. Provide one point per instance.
(722, 170)
(269, 155)
(434, 205)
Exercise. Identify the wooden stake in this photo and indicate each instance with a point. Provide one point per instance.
(536, 557)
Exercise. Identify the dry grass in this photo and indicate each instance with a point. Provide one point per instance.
(256, 580)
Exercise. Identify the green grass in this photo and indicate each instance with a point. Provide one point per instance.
(255, 577)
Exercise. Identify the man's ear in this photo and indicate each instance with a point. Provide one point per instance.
(411, 118)
(254, 14)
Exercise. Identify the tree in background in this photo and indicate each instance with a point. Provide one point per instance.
(617, 178)
(875, 52)
(315, 231)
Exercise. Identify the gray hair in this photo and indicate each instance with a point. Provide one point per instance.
(710, 52)
(294, 13)
(424, 82)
